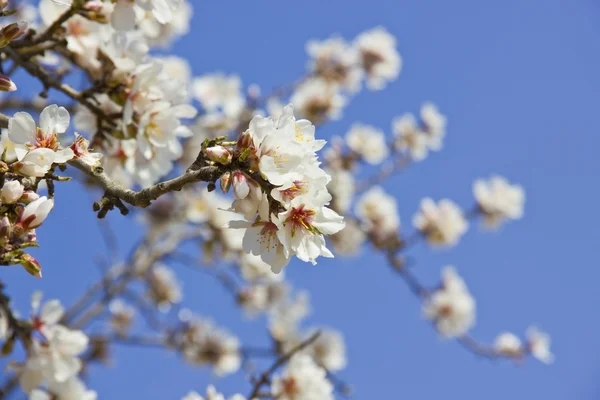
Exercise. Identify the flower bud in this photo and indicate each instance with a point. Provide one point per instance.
(241, 187)
(11, 192)
(219, 154)
(245, 140)
(5, 227)
(12, 32)
(29, 196)
(225, 182)
(31, 265)
(35, 213)
(6, 84)
(96, 12)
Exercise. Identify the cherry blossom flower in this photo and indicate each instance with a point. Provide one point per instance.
(380, 59)
(336, 61)
(163, 288)
(72, 389)
(53, 361)
(539, 345)
(211, 394)
(80, 148)
(328, 350)
(409, 137)
(498, 200)
(451, 307)
(443, 223)
(318, 100)
(219, 92)
(378, 212)
(28, 138)
(508, 344)
(206, 344)
(302, 380)
(302, 226)
(121, 316)
(368, 142)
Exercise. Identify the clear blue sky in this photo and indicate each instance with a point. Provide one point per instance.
(520, 84)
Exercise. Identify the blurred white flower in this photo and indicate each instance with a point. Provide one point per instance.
(318, 100)
(379, 57)
(508, 344)
(539, 345)
(378, 211)
(219, 92)
(443, 223)
(163, 288)
(302, 379)
(205, 344)
(498, 200)
(451, 307)
(368, 142)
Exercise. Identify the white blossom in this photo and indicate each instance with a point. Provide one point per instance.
(498, 200)
(328, 350)
(508, 344)
(380, 59)
(368, 142)
(409, 137)
(42, 142)
(219, 92)
(302, 380)
(206, 344)
(378, 212)
(443, 223)
(163, 287)
(318, 100)
(337, 61)
(211, 394)
(451, 307)
(539, 345)
(121, 316)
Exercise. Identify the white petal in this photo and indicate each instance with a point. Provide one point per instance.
(21, 128)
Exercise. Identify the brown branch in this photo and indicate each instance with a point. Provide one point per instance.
(265, 377)
(144, 197)
(50, 31)
(50, 81)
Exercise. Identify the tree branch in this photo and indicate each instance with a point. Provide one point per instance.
(266, 376)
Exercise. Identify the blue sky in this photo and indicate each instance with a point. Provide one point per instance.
(519, 83)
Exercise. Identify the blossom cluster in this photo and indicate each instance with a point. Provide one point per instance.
(282, 192)
(53, 356)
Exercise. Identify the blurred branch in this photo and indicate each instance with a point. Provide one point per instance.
(265, 377)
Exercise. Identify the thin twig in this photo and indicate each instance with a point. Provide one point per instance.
(266, 376)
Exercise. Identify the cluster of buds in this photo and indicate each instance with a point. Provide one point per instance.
(22, 212)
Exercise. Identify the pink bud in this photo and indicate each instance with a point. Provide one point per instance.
(29, 196)
(35, 213)
(225, 182)
(6, 84)
(5, 227)
(240, 185)
(31, 265)
(12, 32)
(219, 154)
(245, 140)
